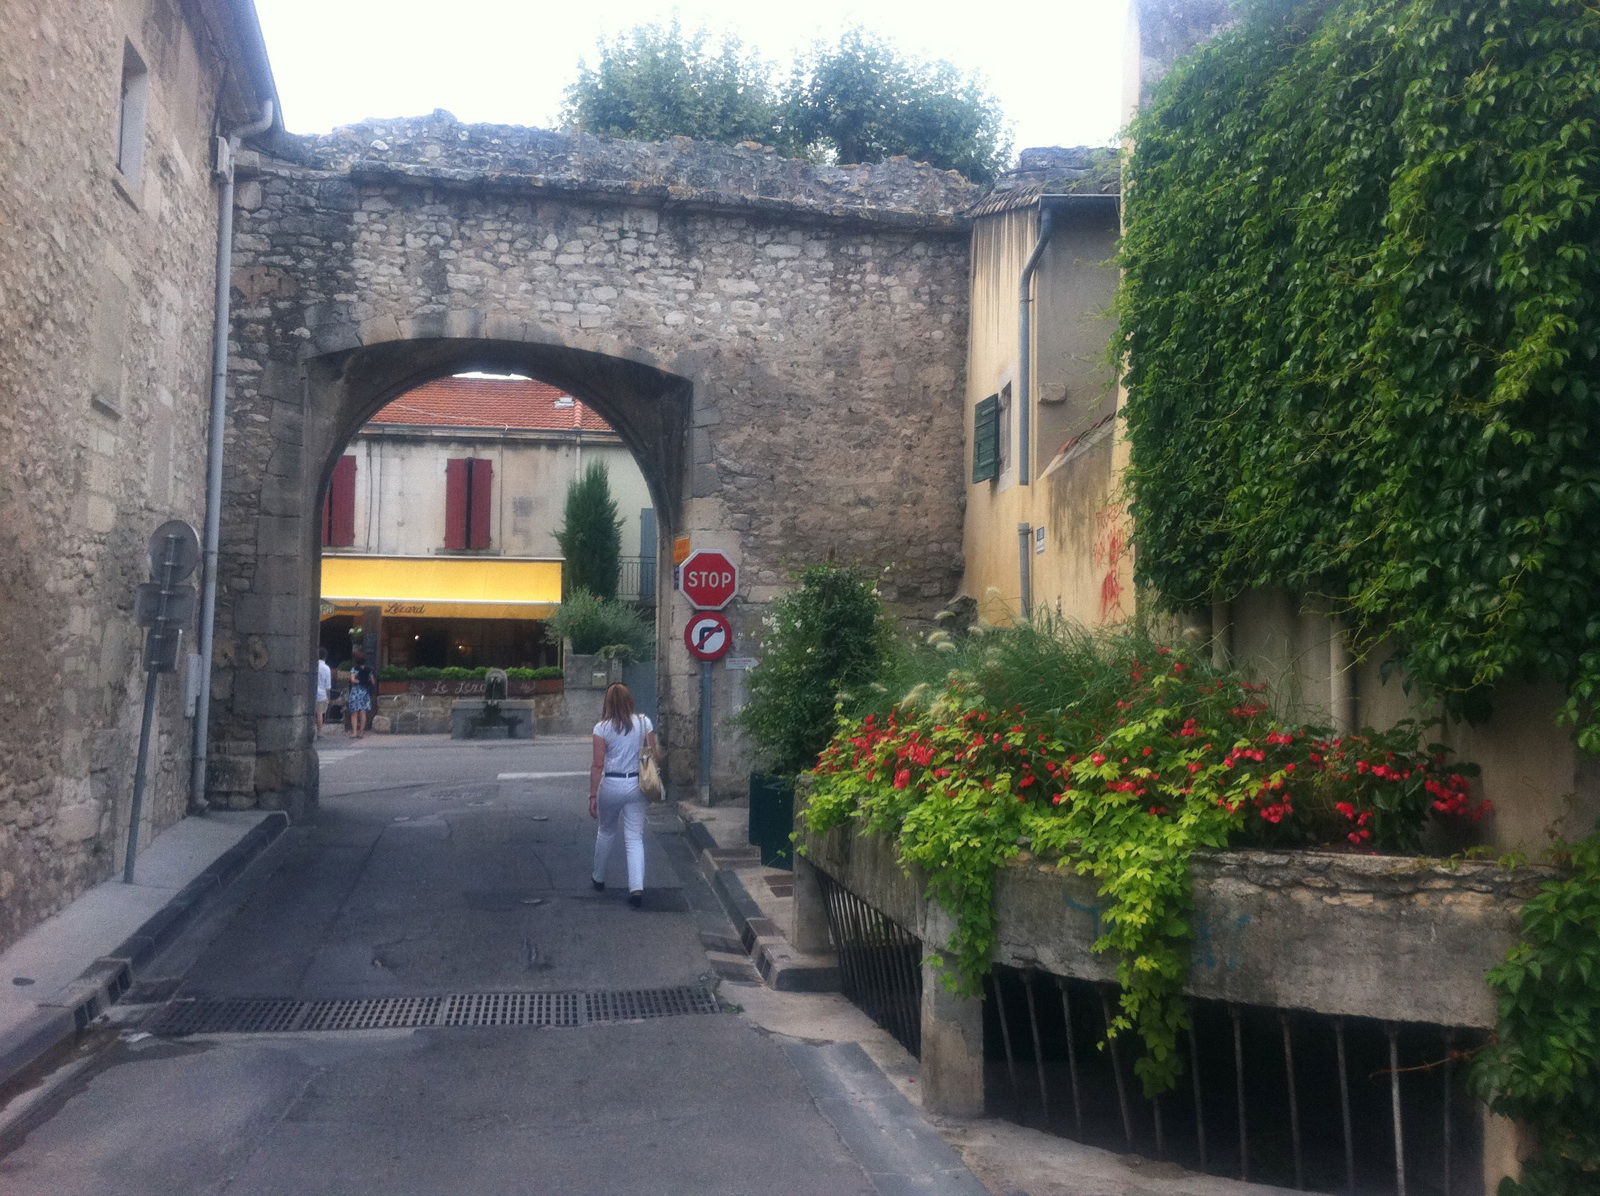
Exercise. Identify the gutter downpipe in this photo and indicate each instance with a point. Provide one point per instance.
(1025, 572)
(1047, 215)
(219, 411)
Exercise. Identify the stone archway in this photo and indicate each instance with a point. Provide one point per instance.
(781, 346)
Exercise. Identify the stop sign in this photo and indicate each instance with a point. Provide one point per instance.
(709, 580)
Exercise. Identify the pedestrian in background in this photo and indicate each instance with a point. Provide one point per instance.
(620, 738)
(324, 687)
(359, 700)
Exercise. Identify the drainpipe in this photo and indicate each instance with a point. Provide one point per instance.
(1025, 566)
(1341, 677)
(1049, 207)
(226, 148)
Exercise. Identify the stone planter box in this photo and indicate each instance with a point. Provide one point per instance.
(469, 689)
(1397, 937)
(408, 713)
(1393, 938)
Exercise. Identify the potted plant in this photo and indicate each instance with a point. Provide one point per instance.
(827, 635)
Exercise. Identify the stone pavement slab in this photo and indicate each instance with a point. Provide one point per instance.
(65, 972)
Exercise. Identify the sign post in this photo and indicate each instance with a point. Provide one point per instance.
(709, 580)
(163, 605)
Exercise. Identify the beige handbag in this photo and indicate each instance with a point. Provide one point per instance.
(650, 776)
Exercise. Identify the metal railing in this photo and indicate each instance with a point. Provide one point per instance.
(1296, 1099)
(637, 580)
(880, 963)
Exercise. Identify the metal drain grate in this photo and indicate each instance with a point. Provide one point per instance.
(560, 1009)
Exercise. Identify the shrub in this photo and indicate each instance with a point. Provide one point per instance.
(1121, 757)
(827, 635)
(593, 623)
(590, 535)
(1544, 1065)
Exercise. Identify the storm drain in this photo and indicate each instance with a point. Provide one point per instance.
(276, 1016)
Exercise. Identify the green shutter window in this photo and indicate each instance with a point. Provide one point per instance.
(986, 439)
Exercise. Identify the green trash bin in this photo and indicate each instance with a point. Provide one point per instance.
(772, 818)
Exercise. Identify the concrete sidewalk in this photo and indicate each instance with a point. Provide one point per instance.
(70, 968)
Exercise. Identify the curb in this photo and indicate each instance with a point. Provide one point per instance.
(71, 1009)
(780, 966)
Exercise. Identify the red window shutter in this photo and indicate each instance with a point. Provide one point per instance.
(455, 502)
(339, 508)
(479, 507)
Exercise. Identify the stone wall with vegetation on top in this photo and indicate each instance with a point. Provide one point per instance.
(781, 345)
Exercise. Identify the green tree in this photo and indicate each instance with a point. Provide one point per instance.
(590, 536)
(861, 100)
(657, 81)
(828, 635)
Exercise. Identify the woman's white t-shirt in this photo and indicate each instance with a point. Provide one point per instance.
(623, 747)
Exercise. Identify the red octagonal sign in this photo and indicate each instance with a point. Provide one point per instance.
(709, 580)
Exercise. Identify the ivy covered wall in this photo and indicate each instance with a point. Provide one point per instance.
(1362, 316)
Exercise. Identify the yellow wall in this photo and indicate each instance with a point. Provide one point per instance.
(1084, 569)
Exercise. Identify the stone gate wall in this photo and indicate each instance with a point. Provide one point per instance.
(781, 346)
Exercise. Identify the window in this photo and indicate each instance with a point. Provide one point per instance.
(339, 507)
(986, 439)
(130, 123)
(469, 483)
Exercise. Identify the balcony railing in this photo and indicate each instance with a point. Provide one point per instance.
(637, 580)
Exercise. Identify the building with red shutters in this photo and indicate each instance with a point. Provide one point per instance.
(438, 528)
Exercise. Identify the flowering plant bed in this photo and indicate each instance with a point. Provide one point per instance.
(1119, 757)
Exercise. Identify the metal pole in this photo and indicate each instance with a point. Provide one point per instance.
(1394, 1105)
(1344, 1107)
(1238, 1083)
(152, 681)
(139, 769)
(1005, 1037)
(1116, 1069)
(1199, 1100)
(1294, 1102)
(1449, 1059)
(705, 732)
(1072, 1056)
(1038, 1047)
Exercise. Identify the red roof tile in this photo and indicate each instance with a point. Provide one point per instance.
(520, 403)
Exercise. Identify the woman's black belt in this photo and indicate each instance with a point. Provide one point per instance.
(622, 774)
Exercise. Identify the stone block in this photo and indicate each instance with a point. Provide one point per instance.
(230, 776)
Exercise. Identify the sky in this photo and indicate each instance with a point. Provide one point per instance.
(1054, 65)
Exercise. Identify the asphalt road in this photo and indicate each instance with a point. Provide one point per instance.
(434, 869)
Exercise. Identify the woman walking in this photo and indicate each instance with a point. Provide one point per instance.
(620, 737)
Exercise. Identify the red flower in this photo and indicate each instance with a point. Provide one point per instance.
(902, 778)
(1097, 758)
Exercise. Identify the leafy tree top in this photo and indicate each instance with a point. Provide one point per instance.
(657, 81)
(858, 100)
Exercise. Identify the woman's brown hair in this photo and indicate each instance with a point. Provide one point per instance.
(618, 709)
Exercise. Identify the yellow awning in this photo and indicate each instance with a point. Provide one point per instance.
(444, 587)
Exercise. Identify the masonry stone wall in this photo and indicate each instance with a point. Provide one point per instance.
(106, 286)
(780, 345)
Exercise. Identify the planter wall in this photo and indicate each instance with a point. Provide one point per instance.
(1396, 937)
(468, 689)
(408, 713)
